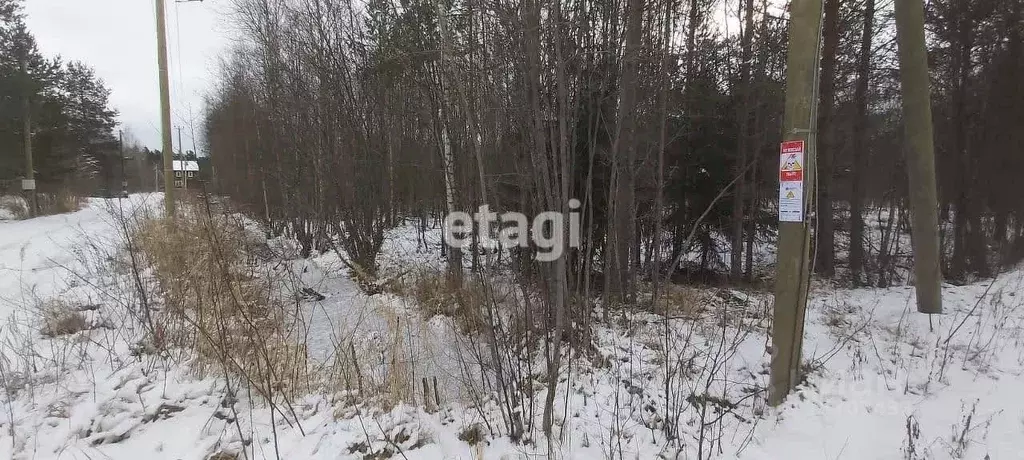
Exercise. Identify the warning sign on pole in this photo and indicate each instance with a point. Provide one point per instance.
(791, 182)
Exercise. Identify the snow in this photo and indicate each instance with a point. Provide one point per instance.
(898, 366)
(39, 257)
(884, 381)
(190, 165)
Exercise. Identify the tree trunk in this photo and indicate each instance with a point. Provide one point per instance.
(742, 153)
(448, 161)
(622, 213)
(860, 146)
(962, 66)
(824, 232)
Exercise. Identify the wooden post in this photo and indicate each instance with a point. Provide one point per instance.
(917, 116)
(793, 266)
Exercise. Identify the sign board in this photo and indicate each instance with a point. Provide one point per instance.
(28, 184)
(791, 181)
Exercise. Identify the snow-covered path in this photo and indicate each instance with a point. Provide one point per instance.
(39, 257)
(88, 396)
(32, 250)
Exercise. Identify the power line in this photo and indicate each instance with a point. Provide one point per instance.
(177, 42)
(179, 80)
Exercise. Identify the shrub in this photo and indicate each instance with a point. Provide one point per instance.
(680, 301)
(64, 201)
(59, 319)
(13, 207)
(436, 296)
(217, 303)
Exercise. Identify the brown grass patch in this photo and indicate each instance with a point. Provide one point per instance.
(58, 319)
(217, 304)
(680, 301)
(436, 296)
(62, 202)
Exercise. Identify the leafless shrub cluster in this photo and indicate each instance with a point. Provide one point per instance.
(13, 207)
(62, 201)
(215, 303)
(433, 293)
(58, 318)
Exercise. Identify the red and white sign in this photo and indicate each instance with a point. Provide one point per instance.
(791, 181)
(791, 164)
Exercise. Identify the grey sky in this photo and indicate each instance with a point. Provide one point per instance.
(118, 39)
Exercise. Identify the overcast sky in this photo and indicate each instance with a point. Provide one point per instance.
(118, 39)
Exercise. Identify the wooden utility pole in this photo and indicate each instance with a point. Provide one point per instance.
(124, 174)
(793, 266)
(28, 185)
(917, 116)
(165, 109)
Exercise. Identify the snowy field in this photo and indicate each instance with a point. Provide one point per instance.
(885, 382)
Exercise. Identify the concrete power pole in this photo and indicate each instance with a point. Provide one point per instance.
(917, 115)
(796, 181)
(165, 109)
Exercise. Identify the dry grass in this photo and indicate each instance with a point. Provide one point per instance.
(58, 319)
(65, 201)
(680, 301)
(436, 296)
(384, 372)
(230, 313)
(62, 202)
(13, 207)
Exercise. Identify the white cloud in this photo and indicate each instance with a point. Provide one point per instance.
(118, 39)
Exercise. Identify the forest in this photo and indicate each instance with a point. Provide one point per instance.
(663, 118)
(337, 120)
(298, 300)
(65, 107)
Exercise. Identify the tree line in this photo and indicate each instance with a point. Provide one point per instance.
(333, 119)
(70, 119)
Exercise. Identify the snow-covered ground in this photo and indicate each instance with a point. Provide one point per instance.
(886, 382)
